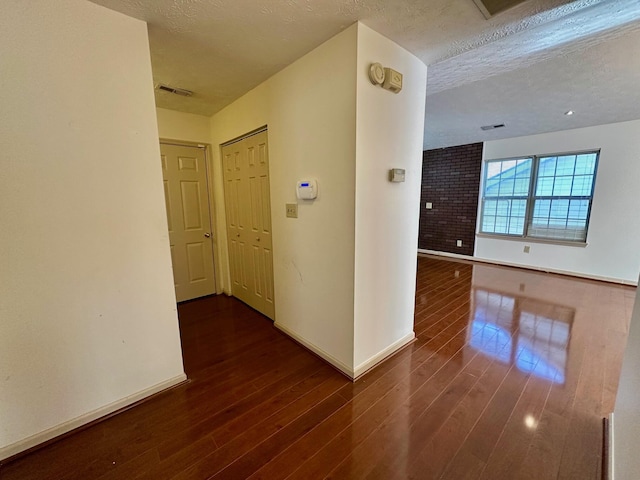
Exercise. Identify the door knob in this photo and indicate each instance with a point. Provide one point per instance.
(207, 235)
(237, 234)
(257, 239)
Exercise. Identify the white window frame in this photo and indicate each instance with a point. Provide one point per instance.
(531, 197)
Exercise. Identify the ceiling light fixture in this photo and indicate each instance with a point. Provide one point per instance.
(568, 113)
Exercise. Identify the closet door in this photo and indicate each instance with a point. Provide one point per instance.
(246, 179)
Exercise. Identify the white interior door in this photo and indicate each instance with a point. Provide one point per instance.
(186, 194)
(248, 206)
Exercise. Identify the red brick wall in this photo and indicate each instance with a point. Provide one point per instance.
(451, 181)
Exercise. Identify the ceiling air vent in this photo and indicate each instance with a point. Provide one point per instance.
(178, 91)
(489, 8)
(492, 127)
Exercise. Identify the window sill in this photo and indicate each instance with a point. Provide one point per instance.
(559, 243)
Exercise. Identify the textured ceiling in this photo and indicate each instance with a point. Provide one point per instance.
(601, 84)
(220, 49)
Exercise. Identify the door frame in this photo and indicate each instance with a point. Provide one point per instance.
(210, 199)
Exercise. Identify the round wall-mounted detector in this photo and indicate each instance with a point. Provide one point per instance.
(376, 73)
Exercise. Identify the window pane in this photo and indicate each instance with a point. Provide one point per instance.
(586, 164)
(547, 167)
(523, 168)
(521, 187)
(545, 186)
(488, 223)
(501, 177)
(503, 207)
(501, 224)
(516, 227)
(506, 187)
(559, 210)
(502, 211)
(541, 208)
(508, 216)
(565, 165)
(558, 216)
(490, 207)
(578, 209)
(582, 185)
(562, 186)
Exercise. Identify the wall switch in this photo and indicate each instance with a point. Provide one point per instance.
(458, 243)
(429, 206)
(292, 210)
(527, 249)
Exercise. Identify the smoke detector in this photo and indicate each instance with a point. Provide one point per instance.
(177, 91)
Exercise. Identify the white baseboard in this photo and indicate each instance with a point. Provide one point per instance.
(367, 365)
(345, 369)
(38, 438)
(447, 254)
(529, 267)
(348, 371)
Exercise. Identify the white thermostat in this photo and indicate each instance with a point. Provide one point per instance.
(307, 189)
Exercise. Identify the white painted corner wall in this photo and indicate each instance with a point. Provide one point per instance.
(360, 234)
(88, 314)
(611, 252)
(311, 133)
(389, 131)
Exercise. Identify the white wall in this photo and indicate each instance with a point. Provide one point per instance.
(389, 135)
(347, 133)
(173, 125)
(87, 313)
(612, 251)
(310, 116)
(626, 422)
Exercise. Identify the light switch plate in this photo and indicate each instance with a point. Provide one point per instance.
(292, 210)
(429, 206)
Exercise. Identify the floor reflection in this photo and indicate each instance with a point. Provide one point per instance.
(531, 334)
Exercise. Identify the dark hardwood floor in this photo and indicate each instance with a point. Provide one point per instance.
(509, 378)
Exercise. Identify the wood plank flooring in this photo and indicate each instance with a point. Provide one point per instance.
(509, 378)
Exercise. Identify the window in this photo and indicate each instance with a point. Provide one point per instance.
(546, 197)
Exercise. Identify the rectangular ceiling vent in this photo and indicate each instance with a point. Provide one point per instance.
(489, 8)
(492, 127)
(177, 91)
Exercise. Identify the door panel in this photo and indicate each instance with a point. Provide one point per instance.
(246, 179)
(188, 218)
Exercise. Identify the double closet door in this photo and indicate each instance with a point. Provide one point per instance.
(245, 165)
